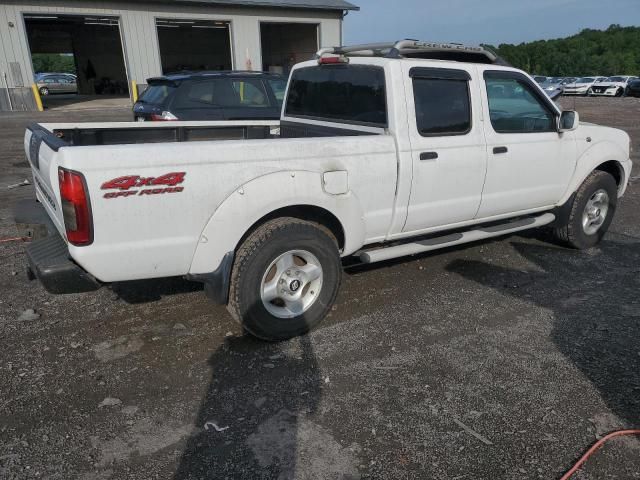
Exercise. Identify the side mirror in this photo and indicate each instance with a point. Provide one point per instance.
(569, 121)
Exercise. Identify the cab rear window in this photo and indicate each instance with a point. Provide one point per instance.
(352, 94)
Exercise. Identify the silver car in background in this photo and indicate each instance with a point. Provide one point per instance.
(554, 86)
(56, 83)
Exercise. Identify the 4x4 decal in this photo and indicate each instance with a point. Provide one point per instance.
(130, 185)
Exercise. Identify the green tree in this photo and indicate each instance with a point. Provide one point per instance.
(614, 51)
(53, 62)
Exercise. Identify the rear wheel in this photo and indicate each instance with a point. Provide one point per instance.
(591, 212)
(44, 91)
(285, 278)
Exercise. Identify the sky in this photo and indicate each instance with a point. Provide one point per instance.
(483, 21)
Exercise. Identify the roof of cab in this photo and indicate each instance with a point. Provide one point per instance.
(417, 49)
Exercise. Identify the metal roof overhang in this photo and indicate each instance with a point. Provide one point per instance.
(339, 5)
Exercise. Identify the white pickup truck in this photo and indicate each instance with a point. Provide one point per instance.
(382, 151)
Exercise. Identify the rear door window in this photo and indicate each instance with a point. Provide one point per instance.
(251, 93)
(279, 88)
(443, 106)
(157, 94)
(352, 94)
(208, 93)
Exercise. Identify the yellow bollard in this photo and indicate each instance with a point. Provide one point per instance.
(134, 91)
(36, 96)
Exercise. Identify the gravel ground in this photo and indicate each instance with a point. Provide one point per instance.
(501, 360)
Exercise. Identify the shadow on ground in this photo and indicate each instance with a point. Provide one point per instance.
(262, 395)
(145, 291)
(596, 307)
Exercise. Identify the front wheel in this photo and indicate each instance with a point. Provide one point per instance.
(285, 278)
(44, 91)
(591, 212)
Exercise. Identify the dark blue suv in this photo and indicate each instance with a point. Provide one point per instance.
(220, 95)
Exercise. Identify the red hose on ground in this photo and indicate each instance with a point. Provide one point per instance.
(14, 239)
(595, 447)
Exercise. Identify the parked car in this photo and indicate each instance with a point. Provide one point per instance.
(382, 152)
(615, 86)
(540, 78)
(552, 86)
(212, 96)
(556, 83)
(581, 86)
(37, 76)
(633, 88)
(56, 83)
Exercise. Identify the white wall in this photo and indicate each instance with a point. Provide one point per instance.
(139, 32)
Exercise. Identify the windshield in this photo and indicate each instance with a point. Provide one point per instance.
(615, 79)
(586, 80)
(157, 93)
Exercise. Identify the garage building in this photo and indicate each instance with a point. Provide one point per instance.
(115, 43)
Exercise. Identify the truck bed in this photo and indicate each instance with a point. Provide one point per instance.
(128, 133)
(155, 231)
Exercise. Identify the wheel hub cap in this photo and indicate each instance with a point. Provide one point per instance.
(291, 284)
(595, 212)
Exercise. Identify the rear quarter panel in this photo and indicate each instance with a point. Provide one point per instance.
(156, 235)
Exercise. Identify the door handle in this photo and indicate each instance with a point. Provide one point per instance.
(498, 150)
(428, 155)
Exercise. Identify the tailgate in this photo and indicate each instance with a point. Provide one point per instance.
(41, 147)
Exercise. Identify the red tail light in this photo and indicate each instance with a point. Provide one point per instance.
(164, 117)
(76, 207)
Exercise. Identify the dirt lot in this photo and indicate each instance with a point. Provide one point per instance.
(533, 347)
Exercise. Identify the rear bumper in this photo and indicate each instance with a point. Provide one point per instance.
(48, 255)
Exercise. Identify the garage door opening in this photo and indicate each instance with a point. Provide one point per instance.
(88, 50)
(193, 45)
(285, 44)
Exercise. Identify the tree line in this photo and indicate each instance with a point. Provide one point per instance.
(614, 51)
(53, 62)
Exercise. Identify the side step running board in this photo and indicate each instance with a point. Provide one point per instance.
(450, 240)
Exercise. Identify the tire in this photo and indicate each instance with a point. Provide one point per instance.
(592, 211)
(44, 91)
(279, 253)
(620, 92)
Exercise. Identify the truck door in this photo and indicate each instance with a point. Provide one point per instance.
(447, 145)
(530, 164)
